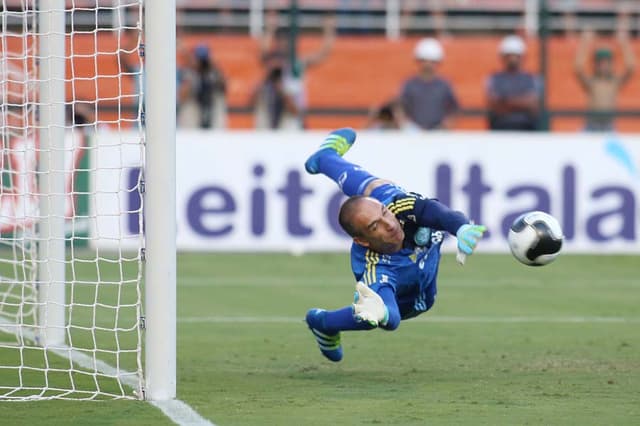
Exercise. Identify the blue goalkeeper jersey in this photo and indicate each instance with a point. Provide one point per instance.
(412, 271)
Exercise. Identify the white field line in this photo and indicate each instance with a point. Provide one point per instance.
(347, 280)
(179, 412)
(434, 319)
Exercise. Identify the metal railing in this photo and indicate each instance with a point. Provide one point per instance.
(390, 17)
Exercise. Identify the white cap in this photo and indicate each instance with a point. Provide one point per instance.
(512, 45)
(429, 49)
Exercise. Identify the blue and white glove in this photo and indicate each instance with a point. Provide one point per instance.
(468, 236)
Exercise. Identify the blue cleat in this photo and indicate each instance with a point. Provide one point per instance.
(329, 344)
(338, 141)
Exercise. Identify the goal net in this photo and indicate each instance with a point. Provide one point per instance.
(71, 125)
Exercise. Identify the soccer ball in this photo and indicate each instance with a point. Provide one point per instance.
(535, 238)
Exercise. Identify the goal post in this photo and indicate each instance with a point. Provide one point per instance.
(160, 199)
(87, 200)
(51, 59)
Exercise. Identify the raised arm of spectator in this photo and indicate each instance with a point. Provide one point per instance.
(628, 57)
(268, 37)
(580, 65)
(328, 40)
(622, 32)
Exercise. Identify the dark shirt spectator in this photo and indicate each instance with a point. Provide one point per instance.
(428, 103)
(513, 94)
(427, 99)
(200, 91)
(209, 83)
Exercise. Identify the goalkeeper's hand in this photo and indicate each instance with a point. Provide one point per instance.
(368, 306)
(468, 236)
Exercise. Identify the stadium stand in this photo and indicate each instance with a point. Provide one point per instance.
(353, 79)
(365, 70)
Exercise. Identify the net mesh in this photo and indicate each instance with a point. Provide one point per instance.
(100, 357)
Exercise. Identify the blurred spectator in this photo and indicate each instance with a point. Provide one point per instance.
(184, 77)
(275, 53)
(273, 107)
(513, 94)
(386, 117)
(603, 85)
(427, 100)
(201, 92)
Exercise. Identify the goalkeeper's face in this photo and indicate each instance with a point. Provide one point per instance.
(377, 228)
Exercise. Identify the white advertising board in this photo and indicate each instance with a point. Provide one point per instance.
(248, 191)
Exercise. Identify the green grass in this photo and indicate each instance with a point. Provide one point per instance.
(461, 363)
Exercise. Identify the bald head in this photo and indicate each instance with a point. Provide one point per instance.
(347, 213)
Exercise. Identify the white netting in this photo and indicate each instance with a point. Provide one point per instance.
(103, 154)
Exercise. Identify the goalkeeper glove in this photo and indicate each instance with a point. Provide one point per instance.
(368, 306)
(468, 236)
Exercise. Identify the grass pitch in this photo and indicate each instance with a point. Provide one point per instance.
(504, 344)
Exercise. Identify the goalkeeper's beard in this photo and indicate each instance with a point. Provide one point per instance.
(388, 247)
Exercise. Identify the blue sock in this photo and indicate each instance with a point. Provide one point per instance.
(343, 319)
(352, 179)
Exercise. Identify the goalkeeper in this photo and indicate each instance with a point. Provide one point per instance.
(395, 251)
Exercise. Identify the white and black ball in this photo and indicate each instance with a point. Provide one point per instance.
(535, 238)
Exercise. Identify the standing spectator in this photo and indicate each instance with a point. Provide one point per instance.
(513, 94)
(201, 92)
(603, 85)
(273, 107)
(275, 53)
(210, 87)
(427, 99)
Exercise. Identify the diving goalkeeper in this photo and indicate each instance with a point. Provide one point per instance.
(395, 251)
